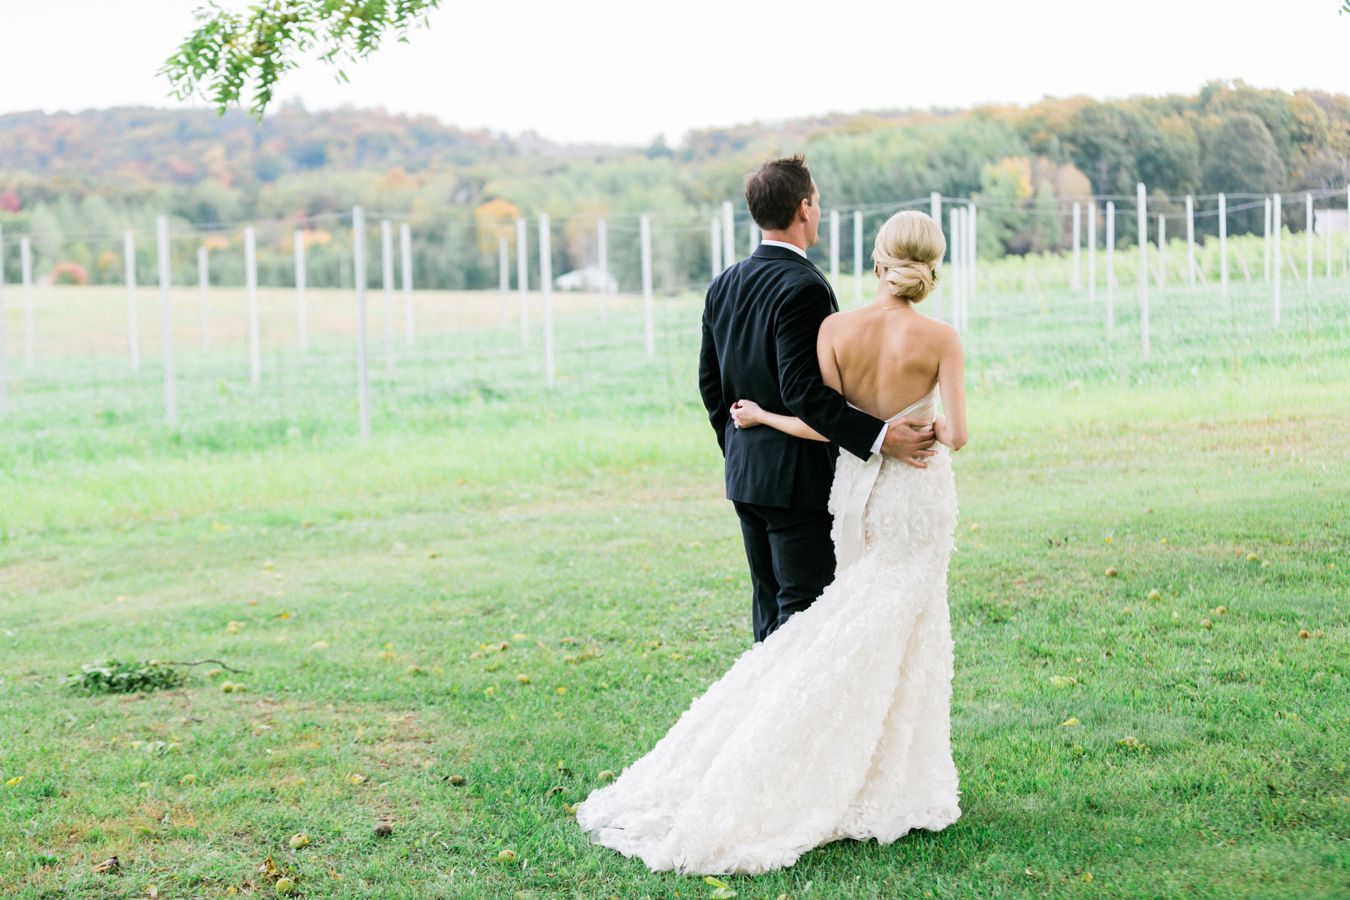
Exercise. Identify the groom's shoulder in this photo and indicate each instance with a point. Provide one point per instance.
(794, 270)
(756, 279)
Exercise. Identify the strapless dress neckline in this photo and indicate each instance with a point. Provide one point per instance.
(923, 408)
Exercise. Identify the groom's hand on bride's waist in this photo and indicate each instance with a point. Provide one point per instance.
(910, 441)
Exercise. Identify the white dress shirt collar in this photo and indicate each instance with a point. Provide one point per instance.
(794, 247)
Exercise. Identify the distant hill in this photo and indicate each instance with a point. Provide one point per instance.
(126, 150)
(73, 181)
(185, 146)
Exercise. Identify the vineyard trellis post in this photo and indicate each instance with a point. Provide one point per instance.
(523, 281)
(728, 234)
(301, 280)
(1190, 241)
(953, 293)
(1329, 250)
(974, 248)
(166, 318)
(602, 247)
(935, 207)
(1328, 242)
(1077, 242)
(857, 257)
(1092, 252)
(1308, 238)
(834, 249)
(1277, 225)
(1162, 252)
(359, 273)
(251, 298)
(648, 301)
(1265, 246)
(26, 279)
(387, 285)
(203, 293)
(973, 259)
(546, 290)
(406, 271)
(133, 320)
(503, 279)
(1110, 267)
(715, 239)
(963, 266)
(1142, 203)
(1223, 247)
(967, 264)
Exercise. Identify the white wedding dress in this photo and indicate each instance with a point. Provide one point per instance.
(835, 726)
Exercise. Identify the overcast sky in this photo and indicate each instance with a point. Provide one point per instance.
(625, 70)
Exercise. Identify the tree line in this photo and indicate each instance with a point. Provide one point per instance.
(73, 180)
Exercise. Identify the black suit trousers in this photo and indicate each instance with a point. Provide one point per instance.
(791, 560)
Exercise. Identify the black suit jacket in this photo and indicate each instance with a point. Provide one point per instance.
(760, 323)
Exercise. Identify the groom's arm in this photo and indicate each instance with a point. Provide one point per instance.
(710, 385)
(804, 391)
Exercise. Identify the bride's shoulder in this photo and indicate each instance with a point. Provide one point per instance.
(833, 320)
(941, 331)
(849, 316)
(837, 322)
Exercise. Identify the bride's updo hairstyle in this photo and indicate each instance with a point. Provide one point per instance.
(908, 249)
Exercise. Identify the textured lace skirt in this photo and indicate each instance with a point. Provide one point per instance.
(836, 726)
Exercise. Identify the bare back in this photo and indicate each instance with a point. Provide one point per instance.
(883, 357)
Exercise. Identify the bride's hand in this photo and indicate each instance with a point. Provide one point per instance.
(746, 414)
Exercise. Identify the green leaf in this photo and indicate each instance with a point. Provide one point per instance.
(229, 52)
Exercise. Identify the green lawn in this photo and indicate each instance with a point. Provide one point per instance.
(386, 597)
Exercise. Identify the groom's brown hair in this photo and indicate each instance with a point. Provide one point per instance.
(775, 190)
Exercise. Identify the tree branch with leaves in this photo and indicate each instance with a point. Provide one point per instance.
(229, 53)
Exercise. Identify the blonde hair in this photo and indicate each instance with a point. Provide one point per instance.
(908, 248)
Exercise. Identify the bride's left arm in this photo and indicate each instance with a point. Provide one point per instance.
(950, 428)
(748, 414)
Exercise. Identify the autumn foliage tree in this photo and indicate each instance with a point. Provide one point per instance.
(495, 221)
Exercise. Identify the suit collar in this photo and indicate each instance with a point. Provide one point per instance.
(768, 251)
(764, 251)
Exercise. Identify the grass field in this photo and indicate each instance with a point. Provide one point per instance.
(384, 599)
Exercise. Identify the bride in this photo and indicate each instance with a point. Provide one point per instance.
(838, 724)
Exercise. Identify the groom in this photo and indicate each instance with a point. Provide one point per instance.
(759, 342)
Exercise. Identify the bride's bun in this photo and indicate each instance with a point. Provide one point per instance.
(909, 248)
(909, 280)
